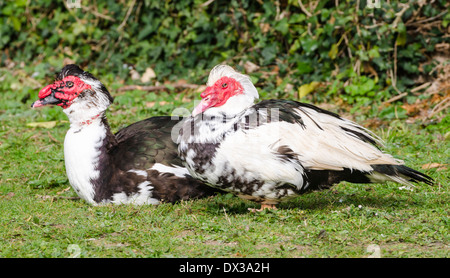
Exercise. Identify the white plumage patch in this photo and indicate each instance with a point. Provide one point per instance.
(139, 172)
(253, 155)
(143, 197)
(321, 145)
(81, 152)
(176, 170)
(324, 145)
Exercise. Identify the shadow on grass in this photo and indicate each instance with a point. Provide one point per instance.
(323, 200)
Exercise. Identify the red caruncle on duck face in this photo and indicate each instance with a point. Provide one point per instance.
(218, 94)
(62, 92)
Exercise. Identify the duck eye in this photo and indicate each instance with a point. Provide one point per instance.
(224, 85)
(69, 84)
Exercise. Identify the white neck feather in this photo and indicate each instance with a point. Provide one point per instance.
(81, 154)
(79, 115)
(217, 121)
(235, 105)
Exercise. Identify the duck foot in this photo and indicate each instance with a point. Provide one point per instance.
(263, 207)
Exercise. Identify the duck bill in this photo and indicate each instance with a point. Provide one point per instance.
(46, 97)
(204, 104)
(209, 99)
(50, 100)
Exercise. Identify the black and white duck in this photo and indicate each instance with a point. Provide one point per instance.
(276, 149)
(137, 165)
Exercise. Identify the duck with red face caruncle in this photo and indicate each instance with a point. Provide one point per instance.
(138, 165)
(274, 150)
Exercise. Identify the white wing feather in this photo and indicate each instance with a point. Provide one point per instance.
(321, 145)
(330, 147)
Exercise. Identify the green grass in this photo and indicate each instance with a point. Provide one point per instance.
(40, 218)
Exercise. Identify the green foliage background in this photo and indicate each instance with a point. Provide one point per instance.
(359, 55)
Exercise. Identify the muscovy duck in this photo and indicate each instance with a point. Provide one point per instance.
(277, 149)
(138, 165)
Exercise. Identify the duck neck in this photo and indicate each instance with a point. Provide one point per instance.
(86, 155)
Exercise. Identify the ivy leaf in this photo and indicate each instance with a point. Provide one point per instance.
(310, 44)
(304, 67)
(144, 32)
(373, 53)
(367, 86)
(282, 26)
(269, 53)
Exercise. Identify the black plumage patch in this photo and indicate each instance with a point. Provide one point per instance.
(169, 188)
(363, 137)
(137, 148)
(286, 154)
(274, 110)
(278, 110)
(402, 170)
(204, 154)
(318, 109)
(325, 179)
